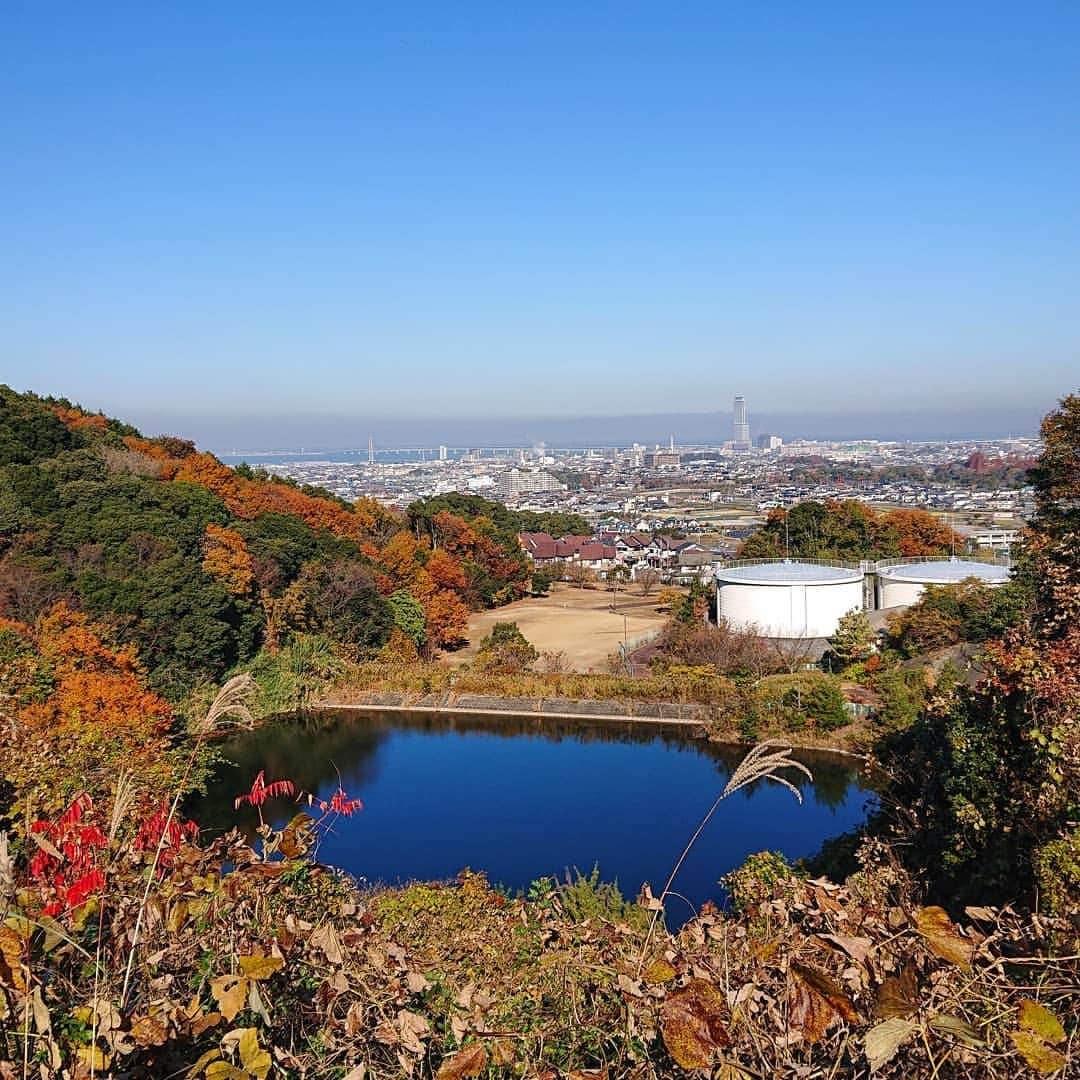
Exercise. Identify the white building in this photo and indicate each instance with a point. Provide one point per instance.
(787, 598)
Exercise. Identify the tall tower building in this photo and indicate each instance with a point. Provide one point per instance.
(371, 450)
(741, 424)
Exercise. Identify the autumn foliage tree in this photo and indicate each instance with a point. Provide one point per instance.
(81, 712)
(227, 559)
(991, 774)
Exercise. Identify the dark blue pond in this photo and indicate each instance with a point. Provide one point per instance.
(523, 797)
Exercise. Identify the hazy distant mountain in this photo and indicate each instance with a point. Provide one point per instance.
(226, 432)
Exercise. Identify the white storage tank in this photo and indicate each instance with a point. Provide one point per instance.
(902, 584)
(787, 598)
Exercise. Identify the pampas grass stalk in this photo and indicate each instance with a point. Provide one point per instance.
(760, 763)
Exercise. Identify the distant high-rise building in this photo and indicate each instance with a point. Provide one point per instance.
(371, 450)
(769, 442)
(740, 424)
(442, 453)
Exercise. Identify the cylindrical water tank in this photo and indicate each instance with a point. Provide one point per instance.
(787, 598)
(903, 584)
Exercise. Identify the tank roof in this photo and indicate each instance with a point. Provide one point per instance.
(946, 572)
(787, 572)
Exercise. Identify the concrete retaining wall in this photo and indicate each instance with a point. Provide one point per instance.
(644, 711)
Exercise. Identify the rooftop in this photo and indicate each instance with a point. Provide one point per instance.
(787, 572)
(946, 571)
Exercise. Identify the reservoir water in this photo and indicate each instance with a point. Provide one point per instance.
(521, 797)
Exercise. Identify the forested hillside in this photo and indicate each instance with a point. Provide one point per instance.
(202, 566)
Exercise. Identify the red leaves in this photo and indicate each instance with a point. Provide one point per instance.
(65, 864)
(261, 791)
(341, 804)
(158, 828)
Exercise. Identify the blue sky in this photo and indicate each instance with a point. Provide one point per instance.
(356, 209)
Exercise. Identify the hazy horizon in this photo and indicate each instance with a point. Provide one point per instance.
(226, 434)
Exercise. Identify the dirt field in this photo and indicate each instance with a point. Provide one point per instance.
(578, 622)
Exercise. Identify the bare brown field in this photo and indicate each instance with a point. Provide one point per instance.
(577, 622)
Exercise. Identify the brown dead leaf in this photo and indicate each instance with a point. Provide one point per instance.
(296, 836)
(202, 1062)
(470, 1061)
(943, 938)
(956, 1027)
(387, 1034)
(93, 1058)
(253, 1058)
(149, 1031)
(326, 939)
(898, 995)
(416, 982)
(858, 948)
(815, 1003)
(11, 952)
(230, 993)
(258, 968)
(204, 1023)
(413, 1028)
(1041, 1057)
(1040, 1020)
(692, 1024)
(647, 900)
(502, 1053)
(883, 1040)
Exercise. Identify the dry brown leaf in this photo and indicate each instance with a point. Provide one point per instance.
(1041, 1021)
(230, 993)
(470, 1061)
(502, 1052)
(387, 1034)
(883, 1040)
(260, 967)
(204, 1023)
(253, 1058)
(326, 939)
(1041, 1057)
(815, 1003)
(202, 1062)
(943, 938)
(856, 947)
(11, 952)
(898, 995)
(149, 1031)
(692, 1024)
(93, 1058)
(958, 1027)
(354, 1019)
(414, 1028)
(176, 915)
(222, 1070)
(647, 900)
(416, 982)
(727, 1071)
